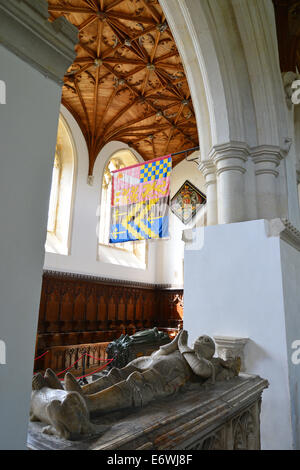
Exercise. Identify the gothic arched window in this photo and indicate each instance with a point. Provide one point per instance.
(54, 194)
(133, 253)
(61, 194)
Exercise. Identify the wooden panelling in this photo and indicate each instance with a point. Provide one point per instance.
(60, 358)
(76, 309)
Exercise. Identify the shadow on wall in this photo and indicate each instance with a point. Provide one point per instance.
(254, 355)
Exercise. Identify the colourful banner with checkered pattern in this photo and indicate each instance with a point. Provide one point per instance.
(140, 201)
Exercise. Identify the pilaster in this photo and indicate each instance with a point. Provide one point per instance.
(208, 169)
(267, 159)
(230, 161)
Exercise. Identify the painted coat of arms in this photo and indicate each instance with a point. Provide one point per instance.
(187, 201)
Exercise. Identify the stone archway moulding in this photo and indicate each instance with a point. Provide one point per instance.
(229, 51)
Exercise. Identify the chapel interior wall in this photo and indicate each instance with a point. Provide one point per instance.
(164, 258)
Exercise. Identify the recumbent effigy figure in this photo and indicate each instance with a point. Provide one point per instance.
(64, 412)
(143, 380)
(149, 378)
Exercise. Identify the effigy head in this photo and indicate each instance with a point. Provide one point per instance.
(204, 346)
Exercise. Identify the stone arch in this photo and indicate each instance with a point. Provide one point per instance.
(233, 72)
(229, 50)
(205, 45)
(257, 29)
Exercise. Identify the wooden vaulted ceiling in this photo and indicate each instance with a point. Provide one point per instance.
(127, 82)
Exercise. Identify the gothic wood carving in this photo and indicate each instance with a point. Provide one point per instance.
(77, 309)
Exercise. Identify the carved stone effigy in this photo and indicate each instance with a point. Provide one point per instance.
(211, 405)
(65, 413)
(222, 416)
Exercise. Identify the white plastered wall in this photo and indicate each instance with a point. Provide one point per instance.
(83, 258)
(234, 287)
(170, 253)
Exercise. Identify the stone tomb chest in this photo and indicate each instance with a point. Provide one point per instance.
(221, 416)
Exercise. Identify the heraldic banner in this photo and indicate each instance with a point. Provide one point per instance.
(140, 201)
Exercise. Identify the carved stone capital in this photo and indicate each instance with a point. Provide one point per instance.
(26, 31)
(230, 157)
(266, 159)
(228, 347)
(208, 168)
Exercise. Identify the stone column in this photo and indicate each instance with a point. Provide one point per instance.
(34, 56)
(230, 161)
(267, 159)
(209, 171)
